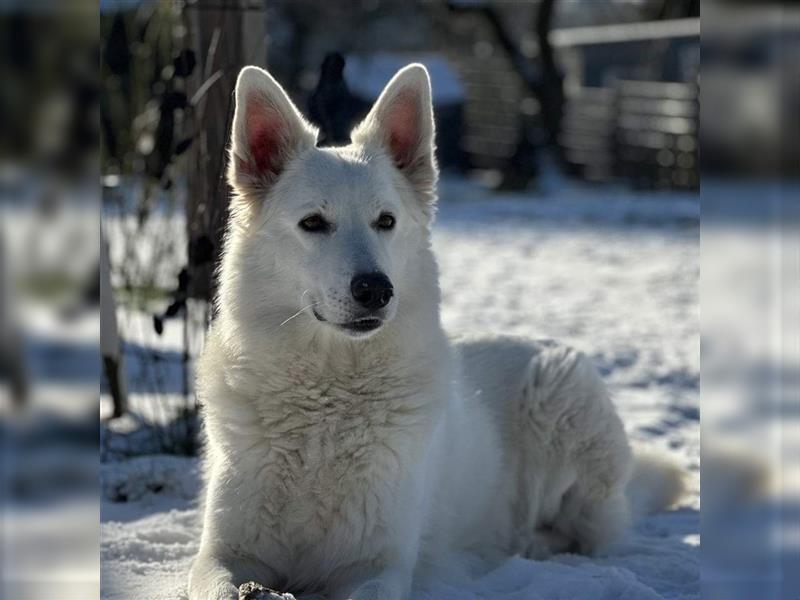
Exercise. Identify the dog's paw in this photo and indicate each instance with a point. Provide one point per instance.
(255, 591)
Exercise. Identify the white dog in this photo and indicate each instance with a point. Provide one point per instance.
(351, 446)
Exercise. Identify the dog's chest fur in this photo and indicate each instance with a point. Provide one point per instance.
(325, 455)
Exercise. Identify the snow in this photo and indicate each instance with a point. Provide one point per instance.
(611, 272)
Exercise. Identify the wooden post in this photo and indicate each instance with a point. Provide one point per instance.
(219, 34)
(110, 346)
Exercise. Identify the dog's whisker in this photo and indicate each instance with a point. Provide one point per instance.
(297, 314)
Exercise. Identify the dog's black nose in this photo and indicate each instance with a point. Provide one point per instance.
(372, 290)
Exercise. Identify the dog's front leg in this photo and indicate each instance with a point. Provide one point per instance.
(216, 575)
(211, 579)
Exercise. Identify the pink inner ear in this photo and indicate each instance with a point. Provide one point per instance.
(265, 136)
(403, 127)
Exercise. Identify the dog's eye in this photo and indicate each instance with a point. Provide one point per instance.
(315, 224)
(385, 221)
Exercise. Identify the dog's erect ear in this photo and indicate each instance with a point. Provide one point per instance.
(402, 123)
(267, 132)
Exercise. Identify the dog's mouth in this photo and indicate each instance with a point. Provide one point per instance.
(362, 325)
(357, 327)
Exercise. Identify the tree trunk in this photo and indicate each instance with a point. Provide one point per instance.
(551, 96)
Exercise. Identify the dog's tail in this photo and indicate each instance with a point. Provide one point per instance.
(655, 484)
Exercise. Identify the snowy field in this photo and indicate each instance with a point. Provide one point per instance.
(613, 273)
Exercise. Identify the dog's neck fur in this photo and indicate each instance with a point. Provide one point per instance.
(308, 383)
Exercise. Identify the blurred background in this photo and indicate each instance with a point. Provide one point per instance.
(49, 298)
(568, 135)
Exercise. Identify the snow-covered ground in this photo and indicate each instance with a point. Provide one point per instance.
(613, 273)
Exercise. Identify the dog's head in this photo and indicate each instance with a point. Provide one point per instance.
(331, 238)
